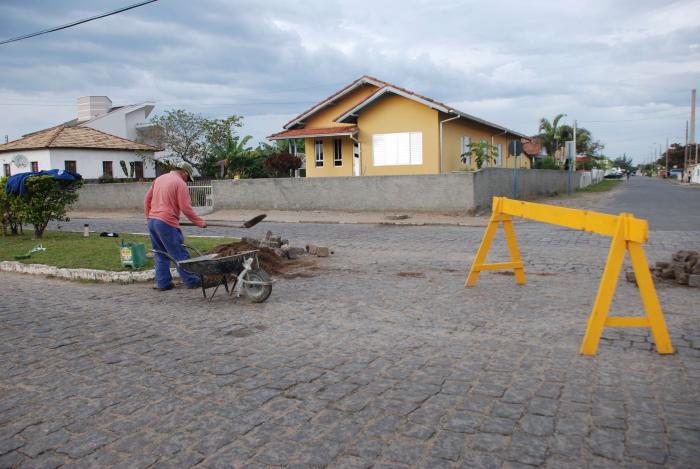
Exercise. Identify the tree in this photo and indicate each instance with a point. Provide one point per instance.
(549, 133)
(241, 159)
(676, 156)
(480, 153)
(46, 200)
(11, 211)
(193, 138)
(181, 133)
(281, 163)
(624, 163)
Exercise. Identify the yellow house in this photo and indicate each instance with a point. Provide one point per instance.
(374, 128)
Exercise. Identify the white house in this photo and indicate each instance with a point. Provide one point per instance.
(84, 150)
(92, 154)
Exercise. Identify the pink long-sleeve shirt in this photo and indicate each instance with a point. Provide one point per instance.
(167, 197)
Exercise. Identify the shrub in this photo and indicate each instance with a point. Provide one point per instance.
(546, 163)
(279, 164)
(47, 200)
(11, 211)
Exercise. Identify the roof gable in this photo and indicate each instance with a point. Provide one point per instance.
(334, 98)
(383, 88)
(74, 137)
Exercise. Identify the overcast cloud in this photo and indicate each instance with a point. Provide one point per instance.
(623, 68)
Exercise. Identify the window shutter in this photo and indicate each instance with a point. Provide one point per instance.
(416, 144)
(379, 150)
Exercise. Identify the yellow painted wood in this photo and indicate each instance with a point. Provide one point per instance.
(514, 252)
(649, 299)
(606, 290)
(618, 321)
(499, 266)
(628, 234)
(599, 223)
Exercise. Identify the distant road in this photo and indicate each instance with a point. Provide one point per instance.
(667, 206)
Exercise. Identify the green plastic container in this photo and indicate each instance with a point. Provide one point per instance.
(132, 254)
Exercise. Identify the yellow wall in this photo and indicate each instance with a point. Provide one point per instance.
(325, 117)
(328, 168)
(453, 132)
(391, 114)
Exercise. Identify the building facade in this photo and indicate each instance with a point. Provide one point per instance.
(372, 128)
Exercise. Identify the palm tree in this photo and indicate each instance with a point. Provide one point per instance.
(235, 151)
(583, 137)
(549, 133)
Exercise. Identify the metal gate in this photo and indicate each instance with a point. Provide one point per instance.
(200, 194)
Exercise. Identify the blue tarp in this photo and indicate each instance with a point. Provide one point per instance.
(17, 184)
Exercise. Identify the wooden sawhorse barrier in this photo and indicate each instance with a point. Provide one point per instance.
(628, 234)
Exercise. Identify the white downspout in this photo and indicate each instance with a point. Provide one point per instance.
(442, 156)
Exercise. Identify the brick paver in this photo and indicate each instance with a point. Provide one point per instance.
(355, 367)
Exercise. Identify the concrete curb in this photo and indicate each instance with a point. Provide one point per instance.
(93, 275)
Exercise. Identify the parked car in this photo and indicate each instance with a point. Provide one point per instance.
(675, 173)
(614, 173)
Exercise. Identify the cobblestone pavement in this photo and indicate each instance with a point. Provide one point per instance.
(382, 359)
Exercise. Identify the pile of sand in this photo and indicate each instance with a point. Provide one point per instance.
(269, 261)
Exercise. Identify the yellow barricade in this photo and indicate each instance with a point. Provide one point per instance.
(627, 233)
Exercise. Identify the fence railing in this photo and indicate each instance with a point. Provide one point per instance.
(200, 194)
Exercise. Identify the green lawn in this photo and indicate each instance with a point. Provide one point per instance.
(602, 186)
(72, 250)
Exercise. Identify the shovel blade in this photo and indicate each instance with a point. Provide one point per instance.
(254, 221)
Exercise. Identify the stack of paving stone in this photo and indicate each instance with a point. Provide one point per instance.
(684, 268)
(277, 245)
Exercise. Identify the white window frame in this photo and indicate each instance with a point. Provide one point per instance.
(465, 147)
(499, 154)
(318, 152)
(337, 152)
(397, 149)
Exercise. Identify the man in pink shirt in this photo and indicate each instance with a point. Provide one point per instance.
(166, 198)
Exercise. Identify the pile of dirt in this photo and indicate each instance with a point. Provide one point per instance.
(270, 261)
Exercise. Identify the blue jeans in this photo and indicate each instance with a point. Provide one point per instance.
(166, 238)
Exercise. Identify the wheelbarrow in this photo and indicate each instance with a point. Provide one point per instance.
(214, 271)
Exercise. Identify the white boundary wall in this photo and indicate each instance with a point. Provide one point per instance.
(458, 192)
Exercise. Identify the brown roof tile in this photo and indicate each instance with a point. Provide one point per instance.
(74, 137)
(298, 133)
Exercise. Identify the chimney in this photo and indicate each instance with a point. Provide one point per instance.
(90, 107)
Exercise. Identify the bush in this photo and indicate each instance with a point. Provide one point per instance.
(247, 167)
(279, 164)
(47, 200)
(11, 211)
(546, 163)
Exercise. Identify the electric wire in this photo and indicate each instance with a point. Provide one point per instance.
(76, 23)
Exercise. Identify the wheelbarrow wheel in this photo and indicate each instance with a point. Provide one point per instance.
(257, 293)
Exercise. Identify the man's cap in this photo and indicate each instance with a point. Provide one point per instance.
(182, 166)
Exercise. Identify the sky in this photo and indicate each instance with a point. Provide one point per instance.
(624, 69)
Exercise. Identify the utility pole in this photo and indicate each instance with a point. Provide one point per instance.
(666, 156)
(685, 153)
(692, 128)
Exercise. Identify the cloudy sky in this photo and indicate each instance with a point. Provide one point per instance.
(623, 68)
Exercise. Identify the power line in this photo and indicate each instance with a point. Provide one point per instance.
(75, 23)
(175, 103)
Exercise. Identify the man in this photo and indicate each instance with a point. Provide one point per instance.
(166, 198)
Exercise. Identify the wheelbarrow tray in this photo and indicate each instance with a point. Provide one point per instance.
(212, 264)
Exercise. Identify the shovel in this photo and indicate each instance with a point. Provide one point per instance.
(249, 224)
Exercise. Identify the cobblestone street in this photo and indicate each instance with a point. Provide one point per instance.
(381, 359)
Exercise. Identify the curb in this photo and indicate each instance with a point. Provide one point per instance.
(94, 275)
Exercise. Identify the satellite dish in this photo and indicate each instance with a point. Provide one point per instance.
(20, 161)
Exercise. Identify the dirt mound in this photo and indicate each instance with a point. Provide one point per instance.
(269, 261)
